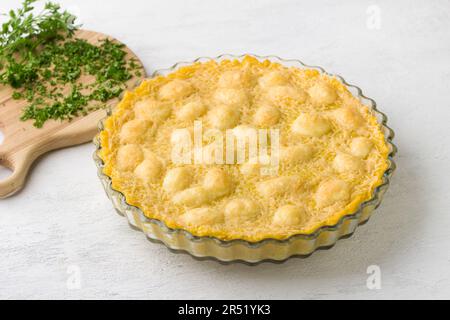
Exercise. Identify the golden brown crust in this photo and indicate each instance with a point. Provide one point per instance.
(333, 153)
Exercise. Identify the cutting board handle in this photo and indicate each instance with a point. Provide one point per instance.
(20, 164)
(19, 159)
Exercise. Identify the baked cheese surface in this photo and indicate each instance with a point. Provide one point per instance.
(332, 152)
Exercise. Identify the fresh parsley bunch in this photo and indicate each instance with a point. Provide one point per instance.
(42, 60)
(23, 34)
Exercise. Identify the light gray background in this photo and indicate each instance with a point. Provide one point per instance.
(62, 218)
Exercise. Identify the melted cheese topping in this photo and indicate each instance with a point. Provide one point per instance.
(332, 151)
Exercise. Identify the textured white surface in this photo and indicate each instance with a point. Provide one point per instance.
(62, 222)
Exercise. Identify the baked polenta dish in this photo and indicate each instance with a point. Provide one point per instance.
(320, 152)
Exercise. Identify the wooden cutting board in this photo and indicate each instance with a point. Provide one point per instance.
(23, 143)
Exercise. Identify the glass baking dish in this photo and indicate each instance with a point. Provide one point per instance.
(273, 250)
